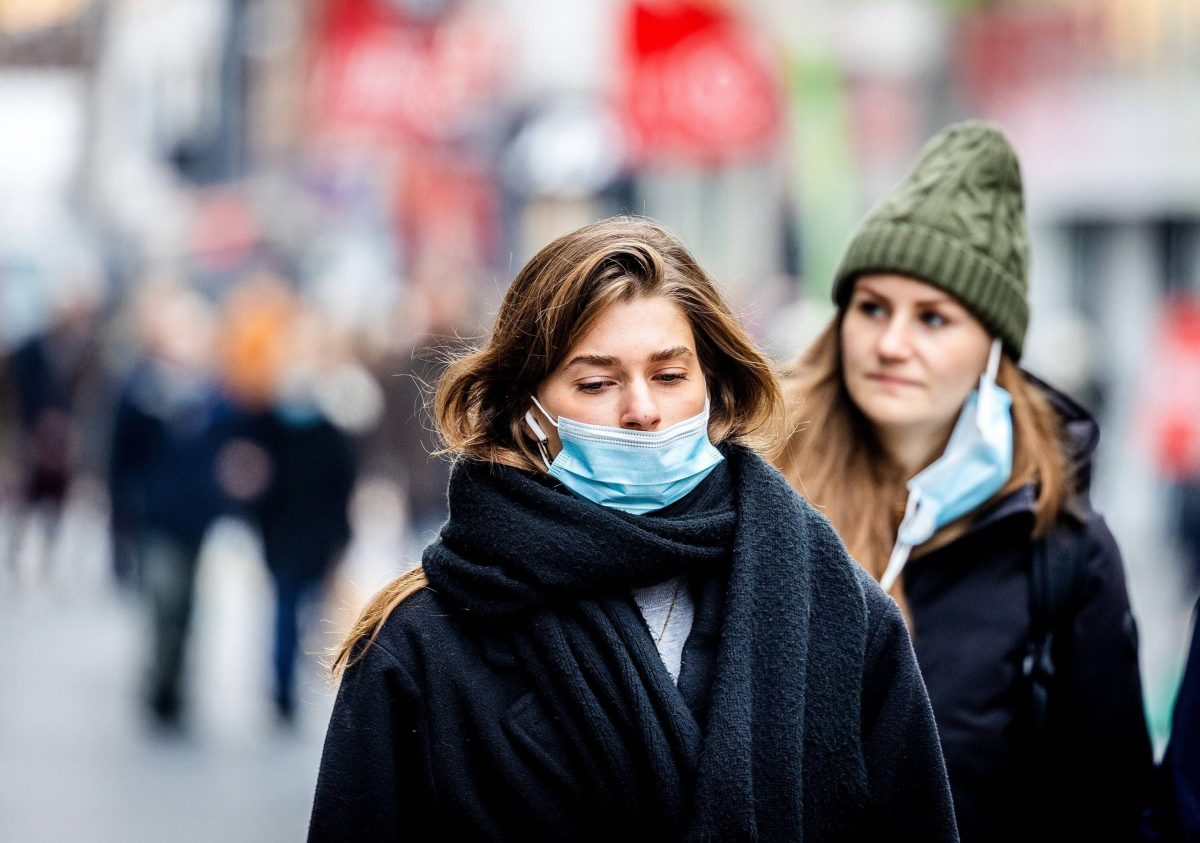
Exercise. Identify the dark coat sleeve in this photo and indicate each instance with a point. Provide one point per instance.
(1182, 761)
(909, 792)
(1105, 749)
(1174, 814)
(370, 785)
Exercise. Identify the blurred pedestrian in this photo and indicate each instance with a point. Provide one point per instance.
(171, 422)
(434, 311)
(962, 482)
(630, 626)
(302, 515)
(301, 505)
(49, 371)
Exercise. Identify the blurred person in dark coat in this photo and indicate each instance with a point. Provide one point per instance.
(302, 505)
(171, 422)
(302, 515)
(917, 433)
(49, 370)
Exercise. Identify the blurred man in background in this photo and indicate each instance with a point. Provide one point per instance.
(171, 422)
(294, 463)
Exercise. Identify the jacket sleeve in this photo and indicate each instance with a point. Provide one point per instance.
(909, 791)
(370, 781)
(1100, 715)
(1180, 769)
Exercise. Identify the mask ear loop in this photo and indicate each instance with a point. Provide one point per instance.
(539, 434)
(993, 364)
(988, 379)
(901, 549)
(549, 417)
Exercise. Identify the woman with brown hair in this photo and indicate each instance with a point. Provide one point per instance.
(954, 478)
(630, 624)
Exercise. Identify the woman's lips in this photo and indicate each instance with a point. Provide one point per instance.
(891, 380)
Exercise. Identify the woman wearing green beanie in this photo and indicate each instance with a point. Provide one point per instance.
(961, 482)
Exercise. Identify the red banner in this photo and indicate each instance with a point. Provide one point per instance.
(380, 74)
(697, 87)
(1172, 406)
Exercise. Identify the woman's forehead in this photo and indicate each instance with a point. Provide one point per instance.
(644, 329)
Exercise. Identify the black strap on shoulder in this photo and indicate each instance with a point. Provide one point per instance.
(1056, 577)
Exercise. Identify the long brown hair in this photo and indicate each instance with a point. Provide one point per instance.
(483, 395)
(834, 458)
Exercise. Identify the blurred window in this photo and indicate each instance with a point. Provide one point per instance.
(1179, 254)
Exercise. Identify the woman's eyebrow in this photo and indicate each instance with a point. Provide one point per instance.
(602, 360)
(609, 361)
(868, 290)
(935, 300)
(673, 353)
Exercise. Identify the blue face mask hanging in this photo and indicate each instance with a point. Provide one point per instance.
(976, 464)
(635, 471)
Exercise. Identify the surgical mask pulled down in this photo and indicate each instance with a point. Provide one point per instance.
(635, 471)
(976, 464)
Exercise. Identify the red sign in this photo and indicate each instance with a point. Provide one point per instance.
(1173, 406)
(697, 87)
(379, 74)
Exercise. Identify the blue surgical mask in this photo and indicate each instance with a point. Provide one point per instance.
(976, 464)
(635, 471)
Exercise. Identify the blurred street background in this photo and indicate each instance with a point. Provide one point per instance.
(238, 237)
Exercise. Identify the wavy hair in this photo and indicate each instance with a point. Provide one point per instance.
(552, 303)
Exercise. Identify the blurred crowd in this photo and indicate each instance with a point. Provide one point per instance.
(172, 407)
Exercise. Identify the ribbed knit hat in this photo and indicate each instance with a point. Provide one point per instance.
(957, 221)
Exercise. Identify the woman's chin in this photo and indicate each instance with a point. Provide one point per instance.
(890, 412)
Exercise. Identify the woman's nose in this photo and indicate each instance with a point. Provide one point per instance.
(894, 340)
(641, 410)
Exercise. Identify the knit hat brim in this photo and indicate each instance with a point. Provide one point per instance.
(929, 255)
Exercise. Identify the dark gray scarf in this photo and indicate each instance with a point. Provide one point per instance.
(558, 570)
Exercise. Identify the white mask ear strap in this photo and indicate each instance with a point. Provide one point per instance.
(549, 417)
(900, 549)
(544, 453)
(540, 434)
(895, 565)
(993, 364)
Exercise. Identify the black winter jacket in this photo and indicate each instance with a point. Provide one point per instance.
(436, 733)
(1083, 776)
(440, 731)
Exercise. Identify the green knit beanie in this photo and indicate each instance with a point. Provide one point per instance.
(957, 222)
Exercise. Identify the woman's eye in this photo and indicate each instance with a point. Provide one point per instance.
(870, 309)
(590, 386)
(672, 377)
(933, 319)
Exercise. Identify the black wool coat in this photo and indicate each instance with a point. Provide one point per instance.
(1084, 776)
(439, 731)
(303, 511)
